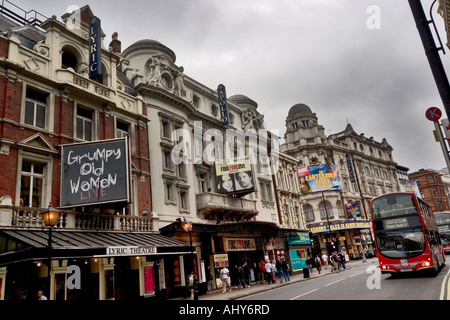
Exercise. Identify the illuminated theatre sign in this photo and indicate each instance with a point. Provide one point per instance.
(94, 173)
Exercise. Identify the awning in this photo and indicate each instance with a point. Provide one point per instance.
(33, 244)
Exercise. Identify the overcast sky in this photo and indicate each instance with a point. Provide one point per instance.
(356, 61)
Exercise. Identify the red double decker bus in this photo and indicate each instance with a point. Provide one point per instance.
(406, 234)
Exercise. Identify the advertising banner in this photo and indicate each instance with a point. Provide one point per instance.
(94, 173)
(235, 178)
(353, 210)
(409, 186)
(319, 177)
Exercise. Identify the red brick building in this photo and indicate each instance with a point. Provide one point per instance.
(432, 189)
(49, 100)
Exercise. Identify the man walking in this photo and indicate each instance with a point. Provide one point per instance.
(268, 268)
(325, 260)
(225, 277)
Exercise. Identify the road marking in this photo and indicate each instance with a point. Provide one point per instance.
(304, 294)
(446, 279)
(357, 274)
(334, 282)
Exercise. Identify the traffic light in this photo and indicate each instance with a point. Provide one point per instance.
(311, 239)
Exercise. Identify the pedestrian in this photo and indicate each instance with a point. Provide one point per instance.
(268, 268)
(246, 270)
(364, 255)
(274, 271)
(285, 269)
(334, 262)
(262, 271)
(325, 260)
(41, 295)
(279, 270)
(257, 271)
(342, 259)
(318, 263)
(308, 264)
(235, 276)
(240, 274)
(210, 279)
(225, 277)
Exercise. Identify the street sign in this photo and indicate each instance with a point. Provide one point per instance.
(433, 114)
(446, 126)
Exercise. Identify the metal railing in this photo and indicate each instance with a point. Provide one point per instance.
(26, 217)
(17, 14)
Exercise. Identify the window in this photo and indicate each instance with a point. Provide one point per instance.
(35, 108)
(181, 171)
(167, 160)
(309, 212)
(69, 60)
(431, 179)
(325, 210)
(196, 100)
(84, 123)
(215, 110)
(286, 214)
(435, 192)
(122, 129)
(184, 200)
(31, 184)
(169, 192)
(165, 129)
(201, 183)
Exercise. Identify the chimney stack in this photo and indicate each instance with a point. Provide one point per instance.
(115, 44)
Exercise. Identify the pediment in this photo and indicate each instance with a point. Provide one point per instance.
(37, 142)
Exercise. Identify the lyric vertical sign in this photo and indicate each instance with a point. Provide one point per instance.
(95, 172)
(95, 48)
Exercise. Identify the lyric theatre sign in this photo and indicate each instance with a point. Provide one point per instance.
(130, 251)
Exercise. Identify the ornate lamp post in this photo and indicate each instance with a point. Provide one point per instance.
(50, 218)
(187, 226)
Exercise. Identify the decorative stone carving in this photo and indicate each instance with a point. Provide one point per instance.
(42, 49)
(180, 89)
(252, 120)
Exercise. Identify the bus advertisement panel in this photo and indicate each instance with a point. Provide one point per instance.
(443, 223)
(406, 233)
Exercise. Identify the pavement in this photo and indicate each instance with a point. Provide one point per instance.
(261, 287)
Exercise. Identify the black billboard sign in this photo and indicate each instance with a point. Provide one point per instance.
(94, 173)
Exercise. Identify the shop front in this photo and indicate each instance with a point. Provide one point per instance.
(232, 244)
(89, 265)
(351, 237)
(299, 251)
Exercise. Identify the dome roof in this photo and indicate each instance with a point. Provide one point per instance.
(299, 109)
(150, 45)
(241, 99)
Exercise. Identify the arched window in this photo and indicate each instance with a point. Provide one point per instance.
(325, 209)
(309, 212)
(70, 58)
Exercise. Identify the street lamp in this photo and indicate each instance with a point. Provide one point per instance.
(50, 218)
(187, 227)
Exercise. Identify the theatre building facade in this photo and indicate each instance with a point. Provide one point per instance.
(74, 135)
